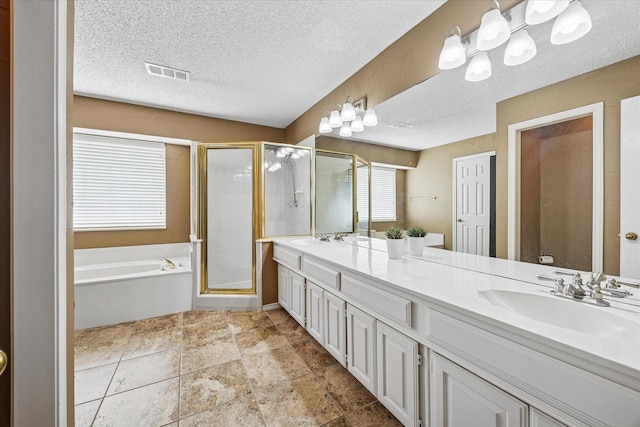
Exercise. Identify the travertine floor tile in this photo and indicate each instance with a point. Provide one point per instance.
(278, 316)
(143, 343)
(242, 411)
(342, 422)
(204, 316)
(242, 321)
(92, 383)
(98, 355)
(291, 328)
(373, 415)
(198, 334)
(313, 354)
(85, 413)
(271, 367)
(145, 370)
(156, 324)
(302, 401)
(259, 340)
(205, 389)
(152, 405)
(103, 334)
(345, 390)
(204, 356)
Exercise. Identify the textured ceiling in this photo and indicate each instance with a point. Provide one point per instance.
(263, 62)
(447, 108)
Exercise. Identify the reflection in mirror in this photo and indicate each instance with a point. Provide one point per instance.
(363, 195)
(334, 192)
(287, 190)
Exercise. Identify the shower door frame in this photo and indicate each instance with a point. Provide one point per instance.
(202, 150)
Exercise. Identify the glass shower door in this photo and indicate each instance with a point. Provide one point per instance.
(228, 225)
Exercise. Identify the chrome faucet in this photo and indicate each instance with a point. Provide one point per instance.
(610, 288)
(575, 292)
(168, 262)
(323, 237)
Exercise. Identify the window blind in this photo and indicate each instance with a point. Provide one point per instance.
(383, 194)
(118, 183)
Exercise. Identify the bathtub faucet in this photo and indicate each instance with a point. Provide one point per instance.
(168, 262)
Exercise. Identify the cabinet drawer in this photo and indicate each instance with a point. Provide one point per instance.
(382, 302)
(321, 274)
(284, 256)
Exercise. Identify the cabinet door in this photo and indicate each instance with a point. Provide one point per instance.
(315, 320)
(540, 419)
(361, 347)
(397, 374)
(284, 287)
(334, 327)
(297, 299)
(461, 399)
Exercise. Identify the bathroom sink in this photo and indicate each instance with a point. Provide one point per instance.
(308, 242)
(567, 314)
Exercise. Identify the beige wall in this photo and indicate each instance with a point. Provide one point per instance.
(122, 117)
(433, 176)
(369, 152)
(433, 179)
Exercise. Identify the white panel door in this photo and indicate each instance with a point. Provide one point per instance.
(284, 287)
(334, 327)
(473, 207)
(629, 188)
(361, 347)
(315, 319)
(460, 399)
(397, 374)
(297, 301)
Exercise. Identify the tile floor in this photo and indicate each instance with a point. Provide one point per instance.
(215, 368)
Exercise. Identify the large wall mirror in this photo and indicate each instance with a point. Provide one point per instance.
(446, 117)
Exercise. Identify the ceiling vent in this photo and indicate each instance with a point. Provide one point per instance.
(401, 125)
(170, 73)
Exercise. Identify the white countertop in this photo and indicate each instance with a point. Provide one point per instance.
(457, 280)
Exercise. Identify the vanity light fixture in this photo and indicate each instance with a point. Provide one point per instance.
(494, 28)
(571, 24)
(479, 68)
(452, 54)
(521, 48)
(342, 117)
(325, 127)
(539, 11)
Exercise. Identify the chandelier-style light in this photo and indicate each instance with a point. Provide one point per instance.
(350, 117)
(452, 54)
(479, 68)
(571, 24)
(539, 11)
(521, 48)
(494, 28)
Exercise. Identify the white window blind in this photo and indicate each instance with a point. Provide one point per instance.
(383, 194)
(363, 194)
(118, 183)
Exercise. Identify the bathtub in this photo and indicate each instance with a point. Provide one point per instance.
(122, 284)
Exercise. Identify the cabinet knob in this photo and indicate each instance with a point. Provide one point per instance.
(631, 235)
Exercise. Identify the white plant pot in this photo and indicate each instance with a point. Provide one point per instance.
(395, 248)
(416, 245)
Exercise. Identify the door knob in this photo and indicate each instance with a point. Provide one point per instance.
(4, 360)
(459, 220)
(631, 235)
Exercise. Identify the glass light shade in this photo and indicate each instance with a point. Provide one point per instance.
(370, 118)
(334, 120)
(521, 48)
(572, 24)
(539, 11)
(494, 30)
(345, 130)
(348, 113)
(479, 68)
(324, 127)
(452, 54)
(357, 125)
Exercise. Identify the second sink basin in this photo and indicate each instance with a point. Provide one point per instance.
(565, 314)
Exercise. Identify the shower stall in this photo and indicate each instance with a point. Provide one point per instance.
(247, 191)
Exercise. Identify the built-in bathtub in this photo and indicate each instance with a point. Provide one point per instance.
(122, 284)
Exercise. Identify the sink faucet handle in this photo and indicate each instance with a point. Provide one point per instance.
(559, 281)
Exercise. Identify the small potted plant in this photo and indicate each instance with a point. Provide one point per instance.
(416, 236)
(395, 242)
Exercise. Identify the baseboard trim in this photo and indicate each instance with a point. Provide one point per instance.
(272, 306)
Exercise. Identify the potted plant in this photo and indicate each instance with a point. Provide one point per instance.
(416, 236)
(395, 242)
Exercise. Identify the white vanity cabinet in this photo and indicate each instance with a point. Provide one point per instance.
(397, 374)
(334, 327)
(361, 347)
(461, 399)
(540, 419)
(297, 302)
(284, 286)
(315, 311)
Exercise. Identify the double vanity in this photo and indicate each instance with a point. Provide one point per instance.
(452, 339)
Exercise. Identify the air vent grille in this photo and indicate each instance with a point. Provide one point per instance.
(401, 125)
(170, 73)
